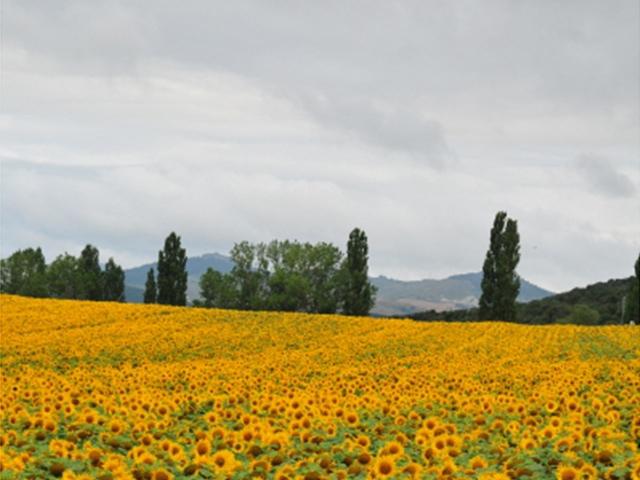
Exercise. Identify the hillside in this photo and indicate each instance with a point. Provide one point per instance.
(603, 297)
(395, 297)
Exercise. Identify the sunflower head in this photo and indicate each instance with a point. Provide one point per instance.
(385, 467)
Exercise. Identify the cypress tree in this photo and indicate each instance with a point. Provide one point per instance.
(500, 282)
(113, 282)
(632, 300)
(90, 273)
(150, 288)
(489, 285)
(359, 294)
(508, 279)
(172, 272)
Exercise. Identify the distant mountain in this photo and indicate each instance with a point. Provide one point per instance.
(528, 290)
(133, 294)
(395, 297)
(603, 297)
(135, 278)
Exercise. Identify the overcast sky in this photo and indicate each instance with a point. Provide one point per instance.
(417, 121)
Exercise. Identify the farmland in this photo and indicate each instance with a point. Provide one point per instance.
(107, 390)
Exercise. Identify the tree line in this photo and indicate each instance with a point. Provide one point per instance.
(294, 276)
(26, 272)
(281, 275)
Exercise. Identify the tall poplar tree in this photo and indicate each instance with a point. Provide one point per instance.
(508, 279)
(359, 293)
(90, 273)
(632, 300)
(172, 272)
(113, 282)
(150, 288)
(489, 285)
(500, 282)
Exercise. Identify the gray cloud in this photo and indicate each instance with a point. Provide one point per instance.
(603, 178)
(530, 71)
(386, 126)
(416, 120)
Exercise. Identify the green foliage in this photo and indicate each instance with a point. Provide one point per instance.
(281, 275)
(604, 297)
(508, 279)
(303, 277)
(150, 288)
(172, 272)
(489, 285)
(249, 275)
(581, 315)
(288, 284)
(113, 282)
(500, 282)
(358, 293)
(90, 274)
(24, 273)
(325, 277)
(64, 278)
(216, 290)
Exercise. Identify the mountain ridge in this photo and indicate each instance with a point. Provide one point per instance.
(395, 297)
(604, 298)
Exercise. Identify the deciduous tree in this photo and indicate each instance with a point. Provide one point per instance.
(63, 276)
(24, 273)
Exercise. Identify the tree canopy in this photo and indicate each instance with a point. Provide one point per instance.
(281, 275)
(25, 272)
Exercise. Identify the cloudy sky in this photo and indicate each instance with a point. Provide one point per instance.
(123, 120)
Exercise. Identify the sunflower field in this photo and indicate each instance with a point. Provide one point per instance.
(119, 391)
